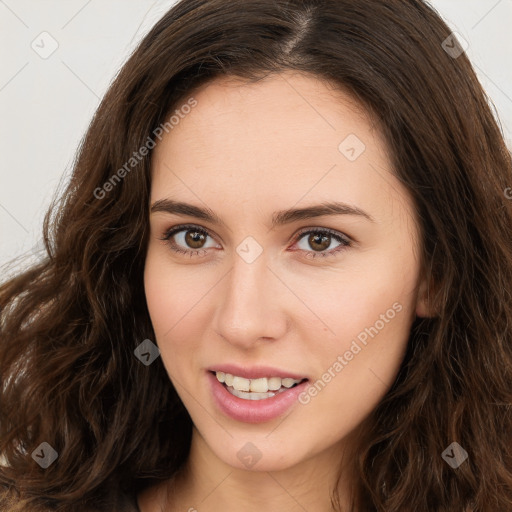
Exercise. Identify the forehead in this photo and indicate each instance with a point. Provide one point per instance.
(292, 109)
(289, 135)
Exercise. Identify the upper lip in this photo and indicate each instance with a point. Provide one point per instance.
(255, 372)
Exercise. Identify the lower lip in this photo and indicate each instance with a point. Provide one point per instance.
(253, 411)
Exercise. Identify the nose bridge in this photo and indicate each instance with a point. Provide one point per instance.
(247, 311)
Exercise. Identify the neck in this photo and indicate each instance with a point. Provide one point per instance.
(207, 484)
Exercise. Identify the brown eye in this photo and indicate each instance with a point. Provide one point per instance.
(320, 240)
(194, 239)
(191, 240)
(187, 239)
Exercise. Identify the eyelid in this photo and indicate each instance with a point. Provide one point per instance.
(179, 227)
(344, 239)
(318, 229)
(185, 227)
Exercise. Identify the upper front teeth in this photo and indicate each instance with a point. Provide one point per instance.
(257, 385)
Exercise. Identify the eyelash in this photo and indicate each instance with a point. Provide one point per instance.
(344, 240)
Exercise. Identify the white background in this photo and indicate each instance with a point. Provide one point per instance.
(46, 104)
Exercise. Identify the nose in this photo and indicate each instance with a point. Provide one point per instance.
(252, 304)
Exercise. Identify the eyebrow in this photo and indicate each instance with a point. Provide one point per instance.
(279, 218)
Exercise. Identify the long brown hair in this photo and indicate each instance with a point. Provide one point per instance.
(69, 325)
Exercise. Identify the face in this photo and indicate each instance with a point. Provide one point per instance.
(257, 290)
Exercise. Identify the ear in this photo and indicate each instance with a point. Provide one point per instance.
(424, 301)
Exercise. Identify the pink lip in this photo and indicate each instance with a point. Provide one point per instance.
(253, 411)
(255, 372)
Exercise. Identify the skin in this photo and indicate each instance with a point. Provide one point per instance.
(246, 151)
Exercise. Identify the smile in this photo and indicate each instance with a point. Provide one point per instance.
(254, 400)
(255, 389)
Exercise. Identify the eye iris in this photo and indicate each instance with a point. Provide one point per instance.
(317, 239)
(195, 238)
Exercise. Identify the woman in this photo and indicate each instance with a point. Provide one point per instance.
(279, 278)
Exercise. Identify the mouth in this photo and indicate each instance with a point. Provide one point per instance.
(261, 388)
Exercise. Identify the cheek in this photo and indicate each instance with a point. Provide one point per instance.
(367, 317)
(370, 342)
(356, 369)
(174, 305)
(349, 304)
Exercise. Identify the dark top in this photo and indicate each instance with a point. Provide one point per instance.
(129, 502)
(119, 501)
